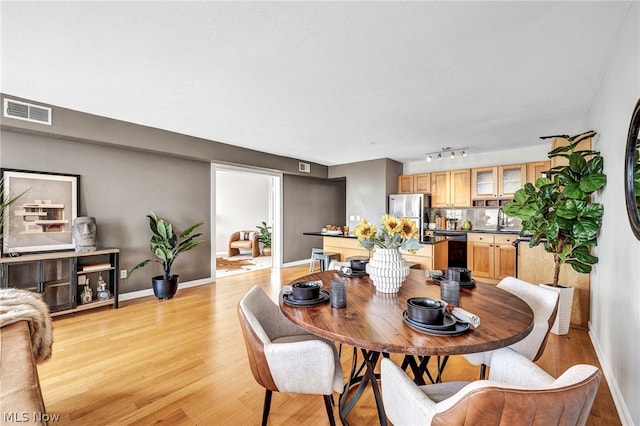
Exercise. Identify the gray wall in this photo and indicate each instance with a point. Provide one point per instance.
(615, 282)
(118, 187)
(75, 125)
(308, 205)
(369, 184)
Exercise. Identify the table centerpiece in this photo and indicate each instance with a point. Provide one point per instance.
(387, 269)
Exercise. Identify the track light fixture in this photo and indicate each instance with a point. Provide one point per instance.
(446, 150)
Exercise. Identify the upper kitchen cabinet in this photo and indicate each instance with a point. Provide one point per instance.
(494, 186)
(536, 169)
(451, 188)
(584, 145)
(416, 183)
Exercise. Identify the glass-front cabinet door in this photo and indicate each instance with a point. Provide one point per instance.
(23, 275)
(57, 285)
(510, 179)
(51, 278)
(483, 183)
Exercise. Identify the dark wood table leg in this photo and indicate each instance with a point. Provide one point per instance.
(362, 375)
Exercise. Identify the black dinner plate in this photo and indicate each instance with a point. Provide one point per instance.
(463, 284)
(355, 274)
(289, 300)
(448, 322)
(459, 327)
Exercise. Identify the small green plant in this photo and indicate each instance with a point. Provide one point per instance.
(264, 234)
(166, 245)
(558, 211)
(4, 205)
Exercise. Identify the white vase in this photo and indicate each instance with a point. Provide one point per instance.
(387, 269)
(563, 319)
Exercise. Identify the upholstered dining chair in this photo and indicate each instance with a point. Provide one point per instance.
(543, 303)
(518, 392)
(285, 358)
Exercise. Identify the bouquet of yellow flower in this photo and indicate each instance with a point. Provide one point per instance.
(393, 234)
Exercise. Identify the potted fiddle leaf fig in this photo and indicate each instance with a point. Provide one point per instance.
(166, 246)
(558, 211)
(264, 236)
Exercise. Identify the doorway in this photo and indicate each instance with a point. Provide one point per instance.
(243, 198)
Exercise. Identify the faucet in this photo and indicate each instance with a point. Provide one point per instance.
(502, 219)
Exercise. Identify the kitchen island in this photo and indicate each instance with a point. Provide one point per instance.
(432, 255)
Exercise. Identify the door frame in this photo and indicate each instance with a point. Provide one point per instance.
(275, 213)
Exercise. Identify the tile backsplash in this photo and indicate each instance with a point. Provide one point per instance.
(482, 218)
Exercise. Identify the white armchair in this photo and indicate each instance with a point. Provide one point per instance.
(518, 392)
(285, 358)
(543, 303)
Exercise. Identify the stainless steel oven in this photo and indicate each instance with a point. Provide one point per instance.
(457, 246)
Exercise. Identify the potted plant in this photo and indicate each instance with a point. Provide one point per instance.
(166, 246)
(558, 212)
(4, 204)
(264, 236)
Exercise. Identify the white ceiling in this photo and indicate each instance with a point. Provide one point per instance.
(328, 82)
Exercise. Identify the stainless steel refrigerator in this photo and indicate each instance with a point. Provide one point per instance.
(411, 206)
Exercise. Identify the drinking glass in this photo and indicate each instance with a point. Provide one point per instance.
(450, 292)
(338, 293)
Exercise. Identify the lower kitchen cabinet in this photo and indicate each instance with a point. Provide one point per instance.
(429, 256)
(491, 256)
(55, 276)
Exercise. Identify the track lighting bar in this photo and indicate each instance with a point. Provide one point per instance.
(446, 150)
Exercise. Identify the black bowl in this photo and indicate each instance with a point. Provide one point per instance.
(305, 290)
(425, 310)
(462, 275)
(358, 264)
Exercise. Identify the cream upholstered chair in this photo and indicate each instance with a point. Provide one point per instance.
(285, 358)
(518, 392)
(244, 240)
(543, 303)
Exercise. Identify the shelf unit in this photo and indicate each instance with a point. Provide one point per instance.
(54, 275)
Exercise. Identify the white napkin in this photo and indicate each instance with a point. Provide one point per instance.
(466, 316)
(338, 266)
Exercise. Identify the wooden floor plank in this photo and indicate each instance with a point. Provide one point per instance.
(183, 362)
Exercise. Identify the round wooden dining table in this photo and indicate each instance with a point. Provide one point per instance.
(374, 323)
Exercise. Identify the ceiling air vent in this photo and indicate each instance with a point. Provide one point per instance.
(29, 112)
(304, 167)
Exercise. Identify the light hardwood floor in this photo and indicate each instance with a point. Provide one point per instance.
(183, 362)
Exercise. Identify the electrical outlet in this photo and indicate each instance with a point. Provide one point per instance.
(123, 273)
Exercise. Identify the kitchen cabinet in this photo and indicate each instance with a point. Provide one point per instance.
(491, 256)
(536, 169)
(558, 142)
(451, 188)
(495, 186)
(416, 183)
(55, 276)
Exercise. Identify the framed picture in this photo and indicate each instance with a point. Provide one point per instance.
(41, 219)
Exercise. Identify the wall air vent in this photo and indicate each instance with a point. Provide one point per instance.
(304, 167)
(28, 112)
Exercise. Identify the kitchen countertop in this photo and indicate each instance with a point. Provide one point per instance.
(479, 231)
(425, 240)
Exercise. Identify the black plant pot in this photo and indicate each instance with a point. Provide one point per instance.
(165, 289)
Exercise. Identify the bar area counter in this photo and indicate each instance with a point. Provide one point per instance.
(432, 255)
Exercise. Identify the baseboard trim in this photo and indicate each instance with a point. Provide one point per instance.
(618, 399)
(149, 292)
